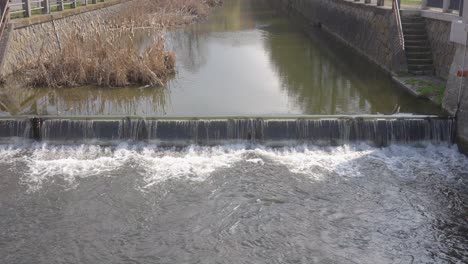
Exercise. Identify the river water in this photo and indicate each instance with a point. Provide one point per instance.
(243, 203)
(233, 204)
(247, 59)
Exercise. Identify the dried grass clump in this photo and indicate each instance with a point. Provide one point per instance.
(103, 57)
(107, 54)
(163, 13)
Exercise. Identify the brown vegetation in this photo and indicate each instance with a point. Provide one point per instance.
(163, 13)
(107, 53)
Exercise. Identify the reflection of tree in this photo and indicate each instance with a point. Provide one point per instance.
(86, 101)
(190, 47)
(190, 44)
(326, 77)
(15, 99)
(234, 16)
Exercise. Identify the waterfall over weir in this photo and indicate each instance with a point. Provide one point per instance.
(376, 130)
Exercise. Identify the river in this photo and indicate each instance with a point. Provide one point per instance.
(246, 59)
(237, 201)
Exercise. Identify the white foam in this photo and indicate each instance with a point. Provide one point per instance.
(8, 154)
(67, 164)
(314, 160)
(256, 161)
(194, 163)
(410, 161)
(70, 163)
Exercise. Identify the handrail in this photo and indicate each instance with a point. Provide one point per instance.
(5, 16)
(396, 11)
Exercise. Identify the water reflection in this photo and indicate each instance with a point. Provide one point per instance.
(245, 60)
(85, 101)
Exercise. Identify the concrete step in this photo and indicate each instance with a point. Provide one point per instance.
(419, 43)
(412, 19)
(416, 37)
(413, 31)
(412, 49)
(413, 25)
(419, 55)
(412, 68)
(419, 61)
(431, 72)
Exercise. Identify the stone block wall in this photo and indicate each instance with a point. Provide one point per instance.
(369, 29)
(28, 42)
(443, 50)
(456, 96)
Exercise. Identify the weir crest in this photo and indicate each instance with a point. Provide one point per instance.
(320, 130)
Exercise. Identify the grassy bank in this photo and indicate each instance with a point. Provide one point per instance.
(107, 54)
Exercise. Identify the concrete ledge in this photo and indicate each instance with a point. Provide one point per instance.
(372, 7)
(462, 143)
(415, 83)
(403, 85)
(38, 19)
(439, 15)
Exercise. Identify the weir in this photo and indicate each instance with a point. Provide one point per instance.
(320, 130)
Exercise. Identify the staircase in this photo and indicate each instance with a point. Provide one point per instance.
(418, 49)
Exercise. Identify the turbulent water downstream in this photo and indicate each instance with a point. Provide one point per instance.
(233, 204)
(284, 188)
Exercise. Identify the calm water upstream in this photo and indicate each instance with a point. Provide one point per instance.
(245, 60)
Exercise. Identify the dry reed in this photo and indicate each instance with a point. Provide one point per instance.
(107, 54)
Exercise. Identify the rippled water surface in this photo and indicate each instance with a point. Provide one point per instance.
(233, 204)
(144, 204)
(247, 59)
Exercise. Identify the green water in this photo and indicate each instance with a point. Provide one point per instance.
(246, 59)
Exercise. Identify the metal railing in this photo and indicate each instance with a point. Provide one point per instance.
(371, 2)
(396, 12)
(28, 8)
(5, 16)
(447, 6)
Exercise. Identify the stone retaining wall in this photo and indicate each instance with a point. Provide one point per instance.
(443, 50)
(456, 96)
(369, 29)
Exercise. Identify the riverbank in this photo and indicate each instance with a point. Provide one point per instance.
(104, 51)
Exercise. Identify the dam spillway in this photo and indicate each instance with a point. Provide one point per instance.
(320, 130)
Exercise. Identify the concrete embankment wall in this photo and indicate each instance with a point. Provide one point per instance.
(35, 36)
(370, 30)
(456, 95)
(442, 48)
(373, 32)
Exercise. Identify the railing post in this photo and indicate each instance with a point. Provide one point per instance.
(465, 13)
(424, 4)
(84, 2)
(462, 7)
(380, 2)
(60, 5)
(45, 7)
(27, 8)
(445, 6)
